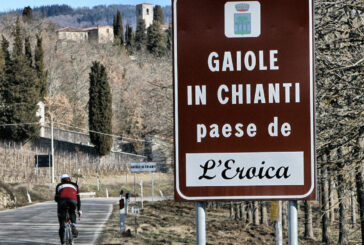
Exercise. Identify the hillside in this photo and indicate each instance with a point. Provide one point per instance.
(141, 85)
(64, 15)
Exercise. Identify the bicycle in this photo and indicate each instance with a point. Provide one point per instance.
(68, 236)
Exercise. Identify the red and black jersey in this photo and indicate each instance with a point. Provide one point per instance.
(68, 191)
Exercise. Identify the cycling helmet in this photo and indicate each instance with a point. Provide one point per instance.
(64, 177)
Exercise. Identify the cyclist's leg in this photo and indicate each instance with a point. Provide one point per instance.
(61, 210)
(72, 209)
(73, 206)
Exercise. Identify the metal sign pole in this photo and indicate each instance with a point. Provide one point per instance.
(135, 226)
(292, 223)
(152, 186)
(50, 168)
(200, 223)
(141, 192)
(134, 189)
(279, 228)
(37, 167)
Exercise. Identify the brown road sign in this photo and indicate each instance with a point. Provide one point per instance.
(244, 100)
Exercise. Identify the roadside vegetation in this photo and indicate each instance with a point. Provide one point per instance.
(139, 72)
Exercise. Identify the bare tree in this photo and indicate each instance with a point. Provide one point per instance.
(308, 221)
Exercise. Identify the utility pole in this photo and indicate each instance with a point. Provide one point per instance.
(52, 150)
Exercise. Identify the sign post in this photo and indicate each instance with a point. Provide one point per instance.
(200, 223)
(292, 223)
(244, 100)
(135, 187)
(152, 186)
(140, 167)
(135, 211)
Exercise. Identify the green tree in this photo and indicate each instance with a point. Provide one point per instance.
(5, 49)
(118, 29)
(140, 34)
(156, 39)
(158, 14)
(27, 14)
(169, 37)
(18, 40)
(2, 75)
(21, 94)
(2, 65)
(28, 51)
(129, 39)
(39, 67)
(5, 62)
(100, 109)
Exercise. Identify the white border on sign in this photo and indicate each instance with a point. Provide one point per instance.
(311, 119)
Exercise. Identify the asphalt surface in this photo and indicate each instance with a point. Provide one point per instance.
(38, 224)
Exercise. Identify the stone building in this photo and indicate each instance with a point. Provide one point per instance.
(72, 34)
(145, 11)
(99, 34)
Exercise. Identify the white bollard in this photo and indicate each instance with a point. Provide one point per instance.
(29, 199)
(107, 193)
(122, 212)
(98, 183)
(161, 193)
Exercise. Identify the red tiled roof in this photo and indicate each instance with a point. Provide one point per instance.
(71, 29)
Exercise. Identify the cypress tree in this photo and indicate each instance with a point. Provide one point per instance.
(140, 34)
(6, 65)
(5, 62)
(129, 38)
(27, 14)
(2, 65)
(39, 67)
(21, 95)
(158, 14)
(156, 40)
(100, 109)
(5, 49)
(169, 37)
(126, 33)
(118, 29)
(28, 51)
(2, 77)
(18, 41)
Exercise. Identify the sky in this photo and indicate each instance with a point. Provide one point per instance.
(6, 5)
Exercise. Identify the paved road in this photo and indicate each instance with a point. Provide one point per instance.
(38, 224)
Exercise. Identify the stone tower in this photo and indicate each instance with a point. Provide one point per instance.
(145, 11)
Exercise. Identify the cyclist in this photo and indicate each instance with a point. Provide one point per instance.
(67, 196)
